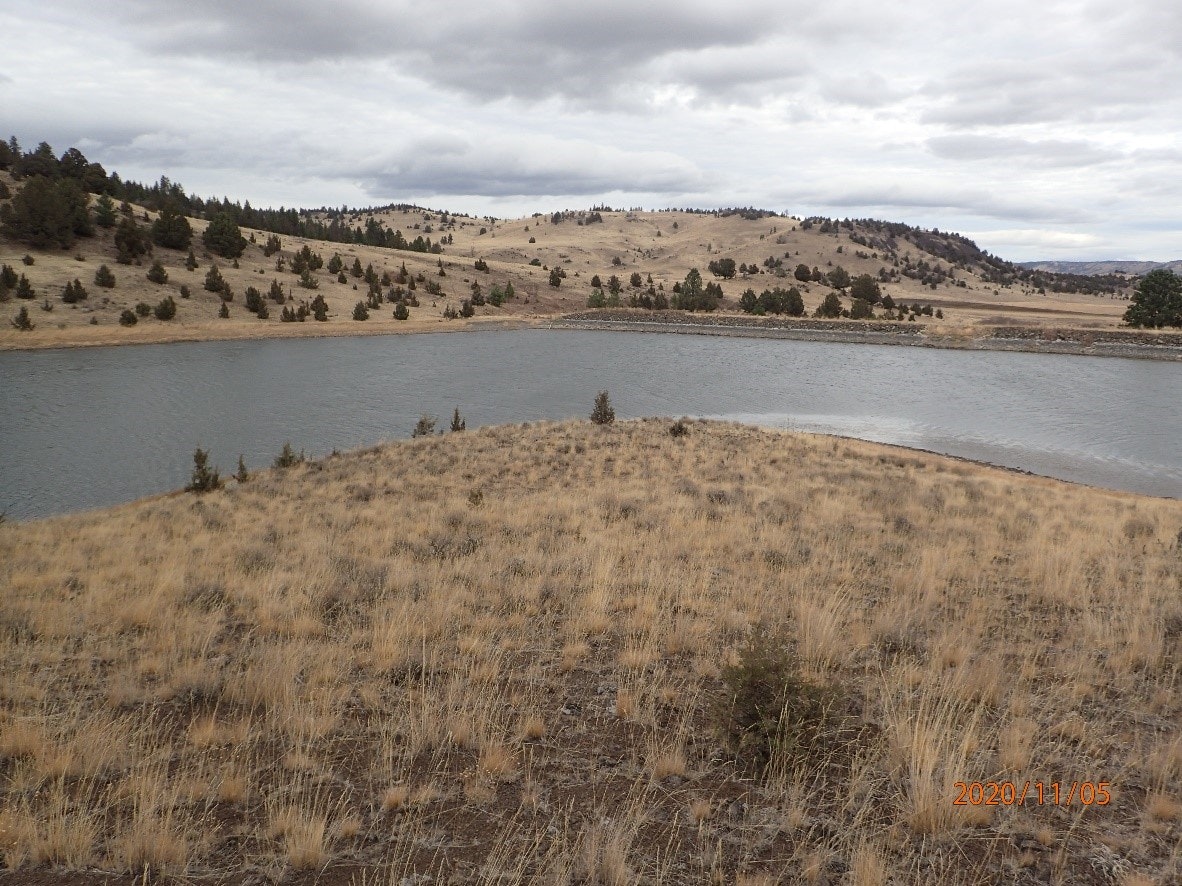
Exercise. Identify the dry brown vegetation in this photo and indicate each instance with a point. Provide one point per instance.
(497, 657)
(664, 245)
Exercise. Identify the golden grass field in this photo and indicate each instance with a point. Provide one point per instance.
(644, 242)
(496, 657)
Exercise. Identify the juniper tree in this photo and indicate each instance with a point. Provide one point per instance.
(157, 274)
(223, 237)
(603, 413)
(104, 278)
(204, 478)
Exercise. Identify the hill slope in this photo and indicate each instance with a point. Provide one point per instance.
(509, 655)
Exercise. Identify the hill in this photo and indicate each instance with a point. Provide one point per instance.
(1103, 268)
(452, 258)
(558, 653)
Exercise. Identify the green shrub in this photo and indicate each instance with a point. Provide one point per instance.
(774, 718)
(128, 318)
(679, 428)
(143, 309)
(425, 426)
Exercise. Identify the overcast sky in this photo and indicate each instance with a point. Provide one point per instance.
(1041, 129)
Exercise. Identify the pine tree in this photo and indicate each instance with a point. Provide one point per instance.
(172, 230)
(214, 282)
(360, 311)
(603, 413)
(130, 242)
(104, 278)
(157, 274)
(401, 312)
(241, 476)
(458, 422)
(224, 311)
(21, 321)
(203, 479)
(165, 309)
(104, 212)
(223, 237)
(191, 261)
(24, 289)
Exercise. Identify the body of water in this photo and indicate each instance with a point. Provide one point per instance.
(91, 427)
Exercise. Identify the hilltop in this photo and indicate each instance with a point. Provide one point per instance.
(550, 260)
(557, 653)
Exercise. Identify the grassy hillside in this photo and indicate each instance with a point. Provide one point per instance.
(513, 655)
(969, 288)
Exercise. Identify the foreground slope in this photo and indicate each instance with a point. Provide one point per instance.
(500, 656)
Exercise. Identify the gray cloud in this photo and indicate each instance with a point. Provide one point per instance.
(1050, 152)
(1054, 121)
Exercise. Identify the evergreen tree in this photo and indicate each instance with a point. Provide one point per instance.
(360, 311)
(603, 413)
(104, 212)
(203, 478)
(166, 309)
(830, 307)
(839, 278)
(104, 278)
(319, 309)
(24, 289)
(191, 260)
(401, 312)
(1157, 301)
(128, 318)
(224, 311)
(357, 272)
(21, 321)
(241, 475)
(172, 230)
(223, 237)
(466, 309)
(335, 265)
(214, 281)
(47, 214)
(130, 241)
(555, 278)
(866, 288)
(457, 421)
(276, 293)
(425, 426)
(157, 274)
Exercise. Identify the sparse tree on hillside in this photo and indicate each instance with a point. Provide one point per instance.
(866, 288)
(458, 423)
(802, 273)
(47, 214)
(172, 230)
(214, 281)
(204, 478)
(830, 307)
(104, 212)
(839, 278)
(21, 321)
(223, 237)
(130, 242)
(157, 274)
(104, 278)
(603, 413)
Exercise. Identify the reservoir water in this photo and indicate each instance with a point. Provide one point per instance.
(91, 427)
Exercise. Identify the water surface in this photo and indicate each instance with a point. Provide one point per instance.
(91, 427)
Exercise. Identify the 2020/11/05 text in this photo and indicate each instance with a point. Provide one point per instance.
(1008, 793)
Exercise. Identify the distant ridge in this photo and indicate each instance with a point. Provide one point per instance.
(1101, 268)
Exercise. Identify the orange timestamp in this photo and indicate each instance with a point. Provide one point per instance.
(1055, 793)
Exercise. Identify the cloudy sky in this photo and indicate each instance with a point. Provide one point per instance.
(1041, 129)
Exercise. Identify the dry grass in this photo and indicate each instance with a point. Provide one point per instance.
(278, 677)
(644, 242)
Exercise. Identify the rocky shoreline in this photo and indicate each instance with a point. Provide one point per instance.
(1131, 343)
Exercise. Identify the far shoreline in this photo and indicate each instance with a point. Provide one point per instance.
(1125, 343)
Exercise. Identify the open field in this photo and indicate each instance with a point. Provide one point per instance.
(660, 245)
(509, 656)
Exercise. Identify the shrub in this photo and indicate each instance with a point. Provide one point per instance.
(104, 278)
(143, 309)
(165, 308)
(128, 318)
(204, 479)
(678, 429)
(224, 311)
(603, 414)
(185, 293)
(425, 426)
(555, 278)
(466, 309)
(773, 717)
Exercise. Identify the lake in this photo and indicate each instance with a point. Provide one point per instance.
(91, 427)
